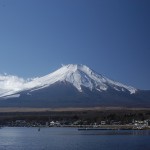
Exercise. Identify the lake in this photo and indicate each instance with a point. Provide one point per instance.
(15, 138)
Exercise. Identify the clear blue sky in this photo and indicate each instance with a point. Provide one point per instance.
(110, 36)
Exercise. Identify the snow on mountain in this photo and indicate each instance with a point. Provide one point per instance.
(77, 75)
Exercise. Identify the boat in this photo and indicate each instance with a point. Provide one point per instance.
(39, 129)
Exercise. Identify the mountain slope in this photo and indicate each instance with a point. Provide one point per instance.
(74, 86)
(80, 75)
(77, 75)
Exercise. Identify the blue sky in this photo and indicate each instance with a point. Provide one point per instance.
(110, 36)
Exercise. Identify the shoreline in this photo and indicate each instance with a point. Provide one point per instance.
(81, 128)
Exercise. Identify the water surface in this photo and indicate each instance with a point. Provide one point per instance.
(71, 139)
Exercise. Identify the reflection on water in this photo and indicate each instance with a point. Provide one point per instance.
(72, 139)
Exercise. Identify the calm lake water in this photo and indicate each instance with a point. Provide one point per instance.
(72, 139)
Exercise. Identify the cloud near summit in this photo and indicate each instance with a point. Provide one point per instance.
(11, 83)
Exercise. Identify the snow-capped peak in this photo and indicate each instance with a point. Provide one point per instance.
(78, 75)
(81, 75)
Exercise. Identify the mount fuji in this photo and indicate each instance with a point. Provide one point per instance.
(70, 86)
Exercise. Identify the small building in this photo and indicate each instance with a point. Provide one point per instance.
(141, 124)
(103, 122)
(52, 123)
(57, 123)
